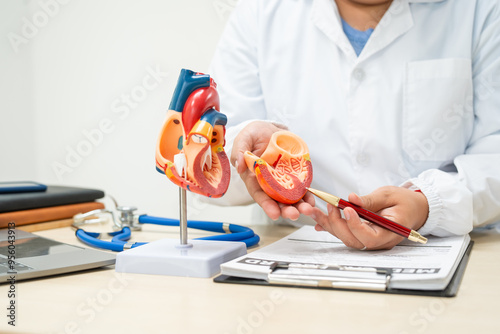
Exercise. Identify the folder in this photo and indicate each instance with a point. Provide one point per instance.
(30, 216)
(311, 259)
(53, 196)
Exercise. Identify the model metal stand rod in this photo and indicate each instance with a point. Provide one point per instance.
(183, 216)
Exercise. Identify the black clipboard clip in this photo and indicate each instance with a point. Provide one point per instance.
(322, 275)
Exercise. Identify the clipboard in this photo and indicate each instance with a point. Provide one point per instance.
(451, 289)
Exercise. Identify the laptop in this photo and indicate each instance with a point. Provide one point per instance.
(36, 256)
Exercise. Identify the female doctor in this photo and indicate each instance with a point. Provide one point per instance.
(397, 100)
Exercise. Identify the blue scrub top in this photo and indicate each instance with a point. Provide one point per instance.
(357, 38)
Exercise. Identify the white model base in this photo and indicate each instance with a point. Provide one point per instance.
(200, 258)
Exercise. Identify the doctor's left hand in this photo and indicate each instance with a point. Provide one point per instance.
(400, 205)
(255, 138)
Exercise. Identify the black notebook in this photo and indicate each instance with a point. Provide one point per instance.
(53, 196)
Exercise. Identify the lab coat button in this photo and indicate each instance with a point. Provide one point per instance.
(363, 159)
(358, 74)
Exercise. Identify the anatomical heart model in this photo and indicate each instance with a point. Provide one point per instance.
(284, 170)
(190, 148)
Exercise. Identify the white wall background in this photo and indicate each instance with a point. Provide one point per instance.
(80, 104)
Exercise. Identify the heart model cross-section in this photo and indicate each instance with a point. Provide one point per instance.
(284, 170)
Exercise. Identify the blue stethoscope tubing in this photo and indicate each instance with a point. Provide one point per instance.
(116, 244)
(120, 238)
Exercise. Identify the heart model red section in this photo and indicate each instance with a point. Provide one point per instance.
(284, 170)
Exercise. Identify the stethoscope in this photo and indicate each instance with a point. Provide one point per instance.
(129, 221)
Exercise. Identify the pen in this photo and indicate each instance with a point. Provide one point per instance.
(370, 216)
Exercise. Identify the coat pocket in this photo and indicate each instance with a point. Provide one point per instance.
(437, 109)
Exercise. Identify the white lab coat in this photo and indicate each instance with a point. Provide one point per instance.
(420, 106)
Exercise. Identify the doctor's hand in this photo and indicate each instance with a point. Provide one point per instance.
(255, 138)
(400, 205)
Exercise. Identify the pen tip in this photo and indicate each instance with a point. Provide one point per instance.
(417, 237)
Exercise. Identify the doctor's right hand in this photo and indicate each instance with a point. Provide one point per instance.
(402, 205)
(255, 138)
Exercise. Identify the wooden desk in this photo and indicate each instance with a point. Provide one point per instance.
(102, 301)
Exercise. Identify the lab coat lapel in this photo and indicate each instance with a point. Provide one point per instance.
(326, 18)
(395, 22)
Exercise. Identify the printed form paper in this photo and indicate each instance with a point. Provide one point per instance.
(413, 266)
